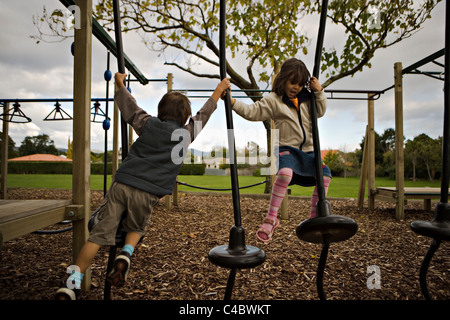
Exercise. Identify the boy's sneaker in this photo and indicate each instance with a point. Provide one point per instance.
(67, 294)
(119, 273)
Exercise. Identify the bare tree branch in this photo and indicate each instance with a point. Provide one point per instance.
(188, 70)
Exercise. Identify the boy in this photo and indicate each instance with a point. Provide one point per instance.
(147, 174)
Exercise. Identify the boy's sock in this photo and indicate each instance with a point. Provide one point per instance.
(315, 196)
(75, 279)
(128, 248)
(280, 185)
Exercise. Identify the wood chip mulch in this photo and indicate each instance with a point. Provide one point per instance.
(172, 262)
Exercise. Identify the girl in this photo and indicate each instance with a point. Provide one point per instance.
(288, 106)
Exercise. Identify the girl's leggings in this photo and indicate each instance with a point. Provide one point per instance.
(280, 185)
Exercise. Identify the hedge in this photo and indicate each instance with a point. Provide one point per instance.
(193, 169)
(44, 167)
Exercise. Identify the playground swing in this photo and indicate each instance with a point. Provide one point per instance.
(96, 111)
(439, 228)
(325, 228)
(17, 113)
(58, 114)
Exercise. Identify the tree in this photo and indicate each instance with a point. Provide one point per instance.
(12, 153)
(38, 144)
(261, 33)
(370, 26)
(384, 152)
(387, 140)
(335, 161)
(69, 150)
(378, 149)
(412, 154)
(430, 152)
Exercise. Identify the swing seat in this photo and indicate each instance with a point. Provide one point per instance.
(237, 255)
(439, 227)
(332, 228)
(432, 229)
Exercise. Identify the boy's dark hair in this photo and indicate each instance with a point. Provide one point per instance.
(174, 106)
(292, 69)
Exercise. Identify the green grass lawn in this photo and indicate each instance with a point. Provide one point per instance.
(339, 187)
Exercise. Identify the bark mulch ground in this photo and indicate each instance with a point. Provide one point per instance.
(171, 263)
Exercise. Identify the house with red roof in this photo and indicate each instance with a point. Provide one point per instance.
(41, 157)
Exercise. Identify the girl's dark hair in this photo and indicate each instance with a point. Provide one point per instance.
(293, 70)
(174, 106)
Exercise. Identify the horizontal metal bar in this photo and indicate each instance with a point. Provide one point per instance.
(423, 61)
(51, 100)
(375, 93)
(210, 90)
(261, 90)
(237, 97)
(354, 91)
(427, 72)
(148, 80)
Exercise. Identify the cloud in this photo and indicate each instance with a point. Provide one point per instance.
(46, 70)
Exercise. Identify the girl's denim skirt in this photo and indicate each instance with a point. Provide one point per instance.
(303, 165)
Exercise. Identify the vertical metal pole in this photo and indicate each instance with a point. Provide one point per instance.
(124, 128)
(424, 268)
(105, 172)
(229, 116)
(112, 250)
(109, 266)
(321, 269)
(121, 69)
(442, 211)
(315, 131)
(320, 37)
(321, 207)
(446, 133)
(230, 284)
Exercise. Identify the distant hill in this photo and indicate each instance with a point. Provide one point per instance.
(200, 153)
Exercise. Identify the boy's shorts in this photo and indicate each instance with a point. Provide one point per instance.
(120, 198)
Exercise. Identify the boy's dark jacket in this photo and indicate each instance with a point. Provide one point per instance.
(155, 158)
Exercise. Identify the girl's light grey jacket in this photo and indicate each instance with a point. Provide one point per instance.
(295, 127)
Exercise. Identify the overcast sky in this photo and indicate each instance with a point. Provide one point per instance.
(45, 70)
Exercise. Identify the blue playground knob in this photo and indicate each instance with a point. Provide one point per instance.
(106, 124)
(108, 75)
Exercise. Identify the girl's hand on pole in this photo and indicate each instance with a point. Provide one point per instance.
(315, 85)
